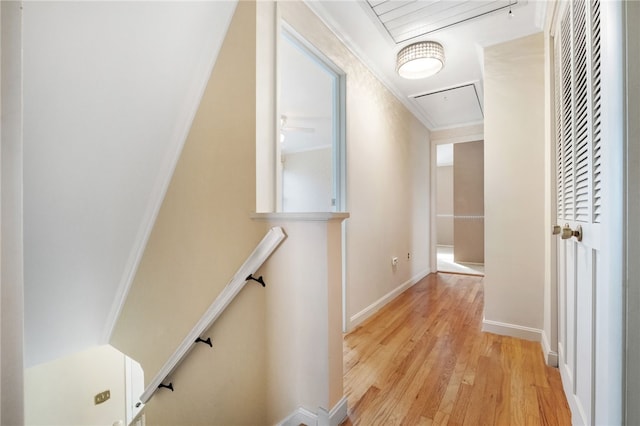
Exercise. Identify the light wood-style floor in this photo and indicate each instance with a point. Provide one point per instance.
(423, 360)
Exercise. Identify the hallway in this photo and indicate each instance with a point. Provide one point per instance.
(423, 360)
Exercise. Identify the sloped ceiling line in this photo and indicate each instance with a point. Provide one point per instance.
(110, 90)
(199, 84)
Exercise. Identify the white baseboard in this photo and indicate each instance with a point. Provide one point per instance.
(301, 416)
(512, 330)
(334, 417)
(375, 306)
(324, 418)
(551, 357)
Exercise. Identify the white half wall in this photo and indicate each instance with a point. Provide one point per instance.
(514, 183)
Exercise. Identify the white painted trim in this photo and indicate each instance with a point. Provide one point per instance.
(550, 356)
(260, 254)
(334, 417)
(378, 304)
(513, 330)
(632, 155)
(541, 14)
(301, 415)
(170, 161)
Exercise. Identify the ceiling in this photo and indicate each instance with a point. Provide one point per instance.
(375, 30)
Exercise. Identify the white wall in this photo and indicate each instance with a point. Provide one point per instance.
(307, 179)
(514, 186)
(11, 252)
(61, 392)
(388, 179)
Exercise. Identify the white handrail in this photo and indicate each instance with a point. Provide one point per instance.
(259, 255)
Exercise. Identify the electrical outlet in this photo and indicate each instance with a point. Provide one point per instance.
(394, 262)
(101, 397)
(409, 256)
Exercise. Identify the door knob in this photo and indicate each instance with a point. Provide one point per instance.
(567, 232)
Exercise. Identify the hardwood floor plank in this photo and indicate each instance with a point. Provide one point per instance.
(460, 406)
(423, 360)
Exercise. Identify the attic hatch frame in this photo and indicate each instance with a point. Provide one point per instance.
(416, 33)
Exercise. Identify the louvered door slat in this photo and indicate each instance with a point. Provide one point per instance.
(565, 119)
(596, 108)
(559, 140)
(580, 113)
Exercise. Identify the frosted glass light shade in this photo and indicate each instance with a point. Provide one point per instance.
(420, 60)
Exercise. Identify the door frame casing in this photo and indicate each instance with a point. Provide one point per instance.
(609, 349)
(550, 317)
(472, 133)
(632, 177)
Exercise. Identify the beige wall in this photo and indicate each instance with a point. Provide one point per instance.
(468, 202)
(202, 235)
(444, 220)
(61, 392)
(514, 183)
(388, 184)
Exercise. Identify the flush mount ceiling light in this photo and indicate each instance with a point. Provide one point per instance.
(420, 60)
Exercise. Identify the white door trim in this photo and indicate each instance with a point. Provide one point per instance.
(632, 386)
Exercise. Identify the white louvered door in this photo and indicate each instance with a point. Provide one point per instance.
(579, 199)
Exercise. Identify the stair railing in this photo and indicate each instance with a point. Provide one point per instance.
(260, 254)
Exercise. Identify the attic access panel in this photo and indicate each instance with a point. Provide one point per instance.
(452, 107)
(405, 20)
